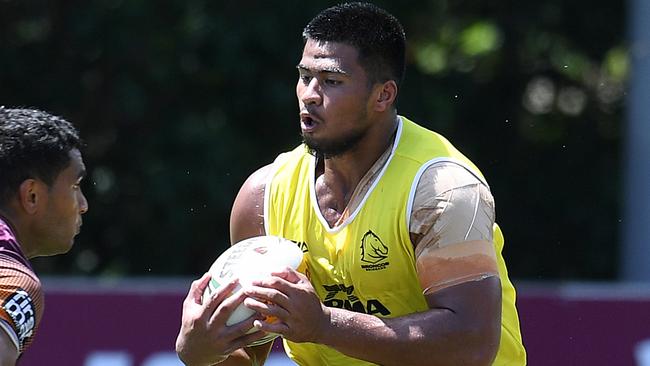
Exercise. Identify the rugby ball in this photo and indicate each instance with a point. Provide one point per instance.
(249, 260)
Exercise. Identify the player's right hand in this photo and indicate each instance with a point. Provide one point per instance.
(204, 337)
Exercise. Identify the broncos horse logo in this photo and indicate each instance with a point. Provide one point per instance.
(372, 249)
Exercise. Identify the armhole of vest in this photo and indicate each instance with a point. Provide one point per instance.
(418, 175)
(275, 166)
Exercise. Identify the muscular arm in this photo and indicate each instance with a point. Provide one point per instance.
(460, 328)
(453, 332)
(246, 221)
(204, 338)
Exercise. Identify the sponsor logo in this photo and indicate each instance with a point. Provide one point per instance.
(352, 302)
(373, 252)
(20, 308)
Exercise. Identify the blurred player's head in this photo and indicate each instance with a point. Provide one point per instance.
(377, 36)
(41, 169)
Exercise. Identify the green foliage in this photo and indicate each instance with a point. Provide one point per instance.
(179, 101)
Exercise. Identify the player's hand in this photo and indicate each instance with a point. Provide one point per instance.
(290, 297)
(204, 337)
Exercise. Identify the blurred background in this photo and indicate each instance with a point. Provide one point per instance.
(179, 101)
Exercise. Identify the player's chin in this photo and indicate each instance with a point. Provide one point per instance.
(64, 247)
(50, 250)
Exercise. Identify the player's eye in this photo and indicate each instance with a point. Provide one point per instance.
(305, 79)
(332, 82)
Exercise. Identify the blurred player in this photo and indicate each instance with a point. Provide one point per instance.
(41, 204)
(404, 263)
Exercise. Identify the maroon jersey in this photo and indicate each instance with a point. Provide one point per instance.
(21, 297)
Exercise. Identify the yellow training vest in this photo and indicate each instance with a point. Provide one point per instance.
(367, 264)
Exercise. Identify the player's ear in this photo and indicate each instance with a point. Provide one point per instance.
(30, 194)
(386, 93)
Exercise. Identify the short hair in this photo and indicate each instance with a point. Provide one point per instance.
(33, 144)
(376, 34)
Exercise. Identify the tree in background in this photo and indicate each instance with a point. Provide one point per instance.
(179, 100)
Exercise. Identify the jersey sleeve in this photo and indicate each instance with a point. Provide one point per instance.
(452, 221)
(21, 302)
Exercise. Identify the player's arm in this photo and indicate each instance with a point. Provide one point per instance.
(8, 350)
(246, 221)
(247, 214)
(461, 327)
(204, 339)
(451, 228)
(21, 308)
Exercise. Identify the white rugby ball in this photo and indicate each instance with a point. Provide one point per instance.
(249, 260)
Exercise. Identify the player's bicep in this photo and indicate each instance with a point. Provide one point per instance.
(475, 311)
(247, 215)
(439, 268)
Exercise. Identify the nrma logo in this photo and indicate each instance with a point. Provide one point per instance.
(352, 302)
(374, 252)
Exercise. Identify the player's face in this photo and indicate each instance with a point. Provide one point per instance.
(333, 97)
(63, 207)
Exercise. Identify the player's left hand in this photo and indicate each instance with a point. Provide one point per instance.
(204, 337)
(289, 296)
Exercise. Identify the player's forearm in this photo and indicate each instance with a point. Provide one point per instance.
(250, 356)
(434, 337)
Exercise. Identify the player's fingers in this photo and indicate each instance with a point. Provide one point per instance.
(227, 303)
(277, 327)
(288, 274)
(271, 294)
(274, 282)
(215, 298)
(266, 308)
(196, 289)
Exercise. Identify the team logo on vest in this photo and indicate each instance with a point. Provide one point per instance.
(20, 308)
(352, 302)
(373, 252)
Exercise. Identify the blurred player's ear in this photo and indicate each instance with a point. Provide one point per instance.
(386, 95)
(30, 195)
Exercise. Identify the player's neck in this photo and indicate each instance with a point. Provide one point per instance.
(20, 228)
(342, 173)
(5, 218)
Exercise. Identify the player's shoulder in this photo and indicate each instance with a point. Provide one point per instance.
(11, 254)
(18, 280)
(248, 207)
(21, 299)
(443, 176)
(260, 177)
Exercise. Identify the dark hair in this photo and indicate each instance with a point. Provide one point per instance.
(33, 144)
(376, 34)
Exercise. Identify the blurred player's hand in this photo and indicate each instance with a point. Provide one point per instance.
(289, 297)
(204, 338)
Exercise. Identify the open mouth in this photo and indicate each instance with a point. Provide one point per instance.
(308, 122)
